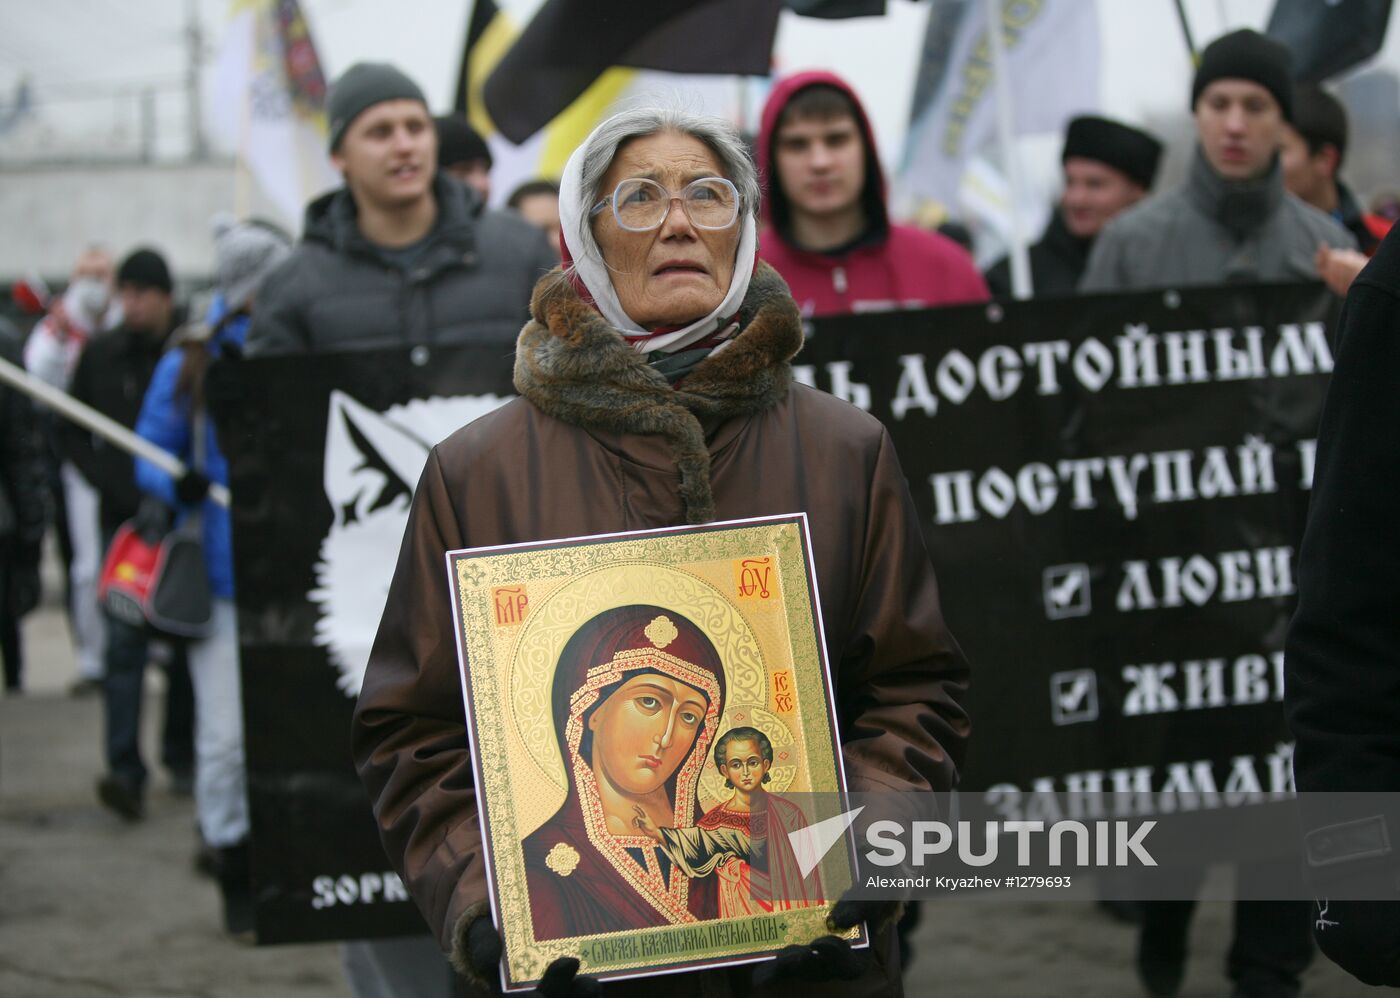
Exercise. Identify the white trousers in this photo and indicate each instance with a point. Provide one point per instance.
(221, 784)
(89, 631)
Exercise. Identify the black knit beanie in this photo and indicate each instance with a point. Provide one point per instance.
(1248, 55)
(145, 268)
(459, 142)
(362, 86)
(1129, 150)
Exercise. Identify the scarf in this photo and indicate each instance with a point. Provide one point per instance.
(573, 365)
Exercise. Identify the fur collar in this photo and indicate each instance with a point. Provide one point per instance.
(574, 366)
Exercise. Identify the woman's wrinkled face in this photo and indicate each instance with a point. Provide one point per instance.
(743, 764)
(644, 730)
(676, 273)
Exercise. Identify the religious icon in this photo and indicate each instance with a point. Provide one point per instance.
(643, 776)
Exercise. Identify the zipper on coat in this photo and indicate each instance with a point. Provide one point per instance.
(838, 280)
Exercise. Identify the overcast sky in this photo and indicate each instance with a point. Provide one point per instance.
(83, 55)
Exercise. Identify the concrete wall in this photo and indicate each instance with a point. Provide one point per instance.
(48, 213)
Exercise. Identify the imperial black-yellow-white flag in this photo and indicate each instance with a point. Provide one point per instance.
(570, 43)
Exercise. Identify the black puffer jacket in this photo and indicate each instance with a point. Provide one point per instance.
(111, 376)
(470, 284)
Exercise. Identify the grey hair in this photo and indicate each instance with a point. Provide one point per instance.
(639, 122)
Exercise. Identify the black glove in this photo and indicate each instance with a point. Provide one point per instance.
(152, 520)
(560, 978)
(849, 912)
(192, 488)
(828, 958)
(831, 957)
(223, 382)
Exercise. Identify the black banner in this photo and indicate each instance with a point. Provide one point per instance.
(1112, 490)
(324, 455)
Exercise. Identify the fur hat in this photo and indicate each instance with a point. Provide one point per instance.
(362, 86)
(1248, 55)
(1128, 150)
(145, 268)
(244, 254)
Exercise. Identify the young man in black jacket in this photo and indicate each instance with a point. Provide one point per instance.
(403, 254)
(112, 376)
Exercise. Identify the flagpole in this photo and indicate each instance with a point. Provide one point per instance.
(104, 426)
(1186, 30)
(242, 172)
(1001, 84)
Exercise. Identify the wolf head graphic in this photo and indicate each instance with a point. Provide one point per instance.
(372, 463)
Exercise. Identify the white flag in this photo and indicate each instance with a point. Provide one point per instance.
(267, 104)
(1052, 54)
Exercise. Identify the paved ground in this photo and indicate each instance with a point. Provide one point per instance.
(92, 908)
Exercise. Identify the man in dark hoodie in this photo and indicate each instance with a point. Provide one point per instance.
(402, 255)
(828, 229)
(1108, 166)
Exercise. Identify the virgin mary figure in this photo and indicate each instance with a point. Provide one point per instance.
(637, 697)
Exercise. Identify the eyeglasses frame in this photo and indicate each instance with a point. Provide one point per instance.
(673, 197)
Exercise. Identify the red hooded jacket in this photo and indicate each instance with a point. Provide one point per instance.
(897, 266)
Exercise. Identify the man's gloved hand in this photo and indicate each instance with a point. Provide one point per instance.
(560, 978)
(192, 488)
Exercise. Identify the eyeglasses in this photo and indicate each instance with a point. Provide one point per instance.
(640, 205)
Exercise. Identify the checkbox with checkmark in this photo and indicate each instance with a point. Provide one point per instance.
(1074, 697)
(1066, 589)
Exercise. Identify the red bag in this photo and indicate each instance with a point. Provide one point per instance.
(154, 576)
(158, 582)
(127, 573)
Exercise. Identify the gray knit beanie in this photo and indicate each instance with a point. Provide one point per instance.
(244, 254)
(362, 86)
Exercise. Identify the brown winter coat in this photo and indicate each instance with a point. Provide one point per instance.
(601, 443)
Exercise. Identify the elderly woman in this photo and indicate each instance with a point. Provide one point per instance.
(657, 391)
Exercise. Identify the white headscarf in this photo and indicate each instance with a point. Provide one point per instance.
(573, 219)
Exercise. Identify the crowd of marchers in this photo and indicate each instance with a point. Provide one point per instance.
(678, 290)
